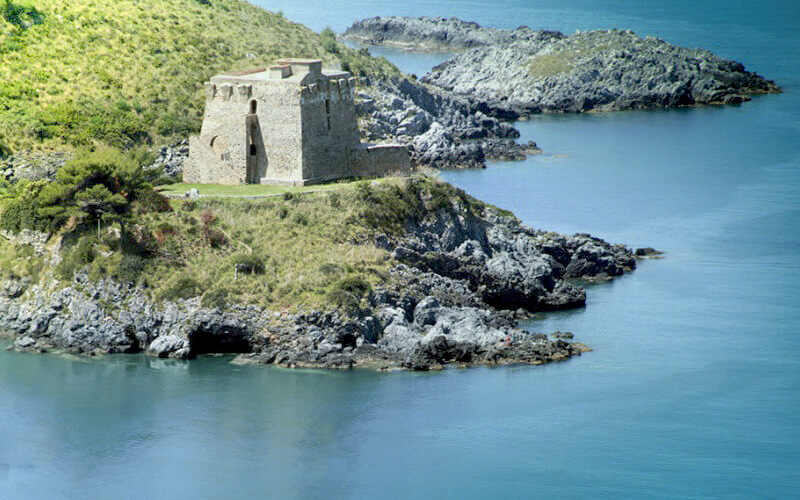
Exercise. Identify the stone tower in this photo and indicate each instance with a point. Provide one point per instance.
(291, 123)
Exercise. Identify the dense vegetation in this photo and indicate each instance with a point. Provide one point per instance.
(96, 186)
(124, 72)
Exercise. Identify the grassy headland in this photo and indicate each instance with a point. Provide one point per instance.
(75, 73)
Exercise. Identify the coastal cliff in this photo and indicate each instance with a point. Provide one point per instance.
(434, 277)
(518, 72)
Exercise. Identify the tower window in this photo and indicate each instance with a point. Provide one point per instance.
(328, 112)
(253, 105)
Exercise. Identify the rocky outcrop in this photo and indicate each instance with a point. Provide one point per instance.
(512, 73)
(170, 159)
(436, 34)
(33, 165)
(464, 275)
(440, 129)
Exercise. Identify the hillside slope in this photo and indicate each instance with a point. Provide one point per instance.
(74, 72)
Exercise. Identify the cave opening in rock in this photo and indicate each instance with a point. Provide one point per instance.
(348, 340)
(219, 341)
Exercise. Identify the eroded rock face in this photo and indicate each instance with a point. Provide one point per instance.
(518, 72)
(440, 129)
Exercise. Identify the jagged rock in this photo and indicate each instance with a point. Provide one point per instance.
(513, 73)
(33, 165)
(429, 33)
(646, 252)
(170, 159)
(440, 129)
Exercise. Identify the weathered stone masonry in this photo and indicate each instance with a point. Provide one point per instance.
(292, 123)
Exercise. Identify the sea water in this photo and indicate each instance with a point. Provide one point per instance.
(693, 387)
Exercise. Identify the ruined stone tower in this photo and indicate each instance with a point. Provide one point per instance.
(291, 123)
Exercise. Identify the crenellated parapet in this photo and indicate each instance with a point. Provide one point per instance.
(228, 92)
(333, 90)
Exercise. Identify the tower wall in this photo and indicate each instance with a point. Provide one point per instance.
(329, 128)
(218, 155)
(280, 120)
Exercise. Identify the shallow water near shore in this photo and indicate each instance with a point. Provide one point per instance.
(691, 390)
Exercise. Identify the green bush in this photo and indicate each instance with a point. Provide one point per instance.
(151, 201)
(329, 40)
(348, 292)
(20, 15)
(130, 268)
(97, 185)
(185, 287)
(76, 258)
(249, 264)
(300, 219)
(216, 298)
(389, 208)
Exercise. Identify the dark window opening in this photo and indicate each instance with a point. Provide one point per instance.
(252, 150)
(328, 112)
(253, 105)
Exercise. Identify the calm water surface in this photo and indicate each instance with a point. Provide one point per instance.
(692, 390)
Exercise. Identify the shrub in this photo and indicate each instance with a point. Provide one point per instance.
(389, 208)
(95, 185)
(164, 230)
(300, 219)
(215, 237)
(329, 40)
(130, 268)
(80, 255)
(138, 240)
(216, 298)
(184, 287)
(21, 16)
(348, 292)
(164, 179)
(151, 201)
(208, 218)
(249, 264)
(329, 269)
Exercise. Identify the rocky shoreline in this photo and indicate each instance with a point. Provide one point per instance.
(461, 281)
(441, 130)
(515, 73)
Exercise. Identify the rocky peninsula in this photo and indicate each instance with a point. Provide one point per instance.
(514, 73)
(459, 275)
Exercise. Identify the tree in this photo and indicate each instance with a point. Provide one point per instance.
(97, 185)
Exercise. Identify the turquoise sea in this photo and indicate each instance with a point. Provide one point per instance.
(693, 387)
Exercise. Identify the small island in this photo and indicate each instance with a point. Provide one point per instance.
(519, 72)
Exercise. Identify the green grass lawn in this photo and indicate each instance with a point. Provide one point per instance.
(221, 191)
